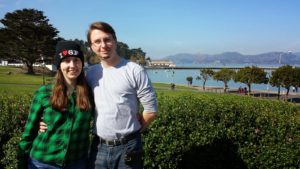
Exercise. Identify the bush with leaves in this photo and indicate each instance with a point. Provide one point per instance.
(223, 131)
(13, 115)
(195, 131)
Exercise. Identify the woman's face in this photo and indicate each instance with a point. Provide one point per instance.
(71, 68)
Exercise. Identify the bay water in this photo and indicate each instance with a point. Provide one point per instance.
(178, 76)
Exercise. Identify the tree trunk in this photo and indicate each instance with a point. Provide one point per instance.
(278, 92)
(204, 85)
(249, 89)
(287, 93)
(225, 87)
(30, 68)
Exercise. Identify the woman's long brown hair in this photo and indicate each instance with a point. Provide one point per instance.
(59, 98)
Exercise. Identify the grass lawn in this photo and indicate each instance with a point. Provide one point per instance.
(13, 80)
(6, 69)
(15, 75)
(17, 89)
(164, 86)
(21, 79)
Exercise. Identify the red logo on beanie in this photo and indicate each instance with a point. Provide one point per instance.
(69, 52)
(65, 52)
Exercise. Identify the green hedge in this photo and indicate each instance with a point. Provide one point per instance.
(195, 131)
(223, 131)
(13, 115)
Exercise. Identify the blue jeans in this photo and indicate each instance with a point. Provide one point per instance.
(34, 164)
(122, 156)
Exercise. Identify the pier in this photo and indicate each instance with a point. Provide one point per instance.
(206, 67)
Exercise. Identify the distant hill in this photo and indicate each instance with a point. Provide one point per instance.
(297, 53)
(230, 58)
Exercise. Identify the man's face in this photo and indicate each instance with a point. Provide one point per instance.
(103, 44)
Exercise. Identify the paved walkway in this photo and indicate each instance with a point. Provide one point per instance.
(256, 93)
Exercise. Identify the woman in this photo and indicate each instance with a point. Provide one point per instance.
(66, 108)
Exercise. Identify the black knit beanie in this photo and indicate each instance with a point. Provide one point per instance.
(65, 49)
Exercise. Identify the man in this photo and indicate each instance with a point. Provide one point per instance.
(118, 86)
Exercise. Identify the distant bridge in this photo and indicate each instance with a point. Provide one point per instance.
(213, 67)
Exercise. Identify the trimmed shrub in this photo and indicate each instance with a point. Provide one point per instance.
(223, 131)
(208, 131)
(13, 116)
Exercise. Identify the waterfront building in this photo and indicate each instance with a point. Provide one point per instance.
(161, 63)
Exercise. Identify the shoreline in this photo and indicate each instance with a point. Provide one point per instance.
(254, 92)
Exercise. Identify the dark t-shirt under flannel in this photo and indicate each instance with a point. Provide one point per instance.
(67, 136)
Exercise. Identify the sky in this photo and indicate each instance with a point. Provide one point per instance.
(167, 27)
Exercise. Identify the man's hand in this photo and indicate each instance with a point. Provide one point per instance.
(145, 119)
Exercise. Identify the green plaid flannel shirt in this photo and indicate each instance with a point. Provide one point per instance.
(67, 137)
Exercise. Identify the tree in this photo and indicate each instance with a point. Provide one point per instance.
(190, 80)
(275, 80)
(135, 55)
(198, 78)
(205, 74)
(224, 75)
(4, 51)
(249, 75)
(283, 76)
(28, 37)
(123, 50)
(138, 56)
(296, 74)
